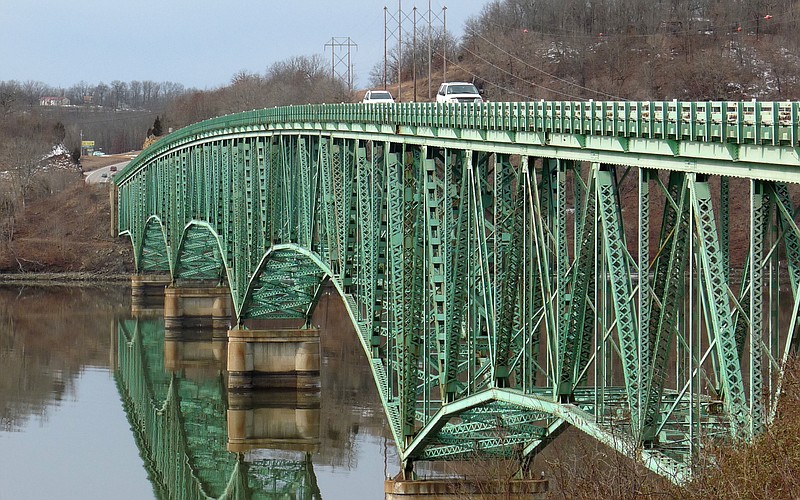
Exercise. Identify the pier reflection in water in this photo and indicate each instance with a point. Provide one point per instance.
(194, 438)
(179, 418)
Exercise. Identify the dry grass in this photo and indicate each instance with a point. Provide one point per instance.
(767, 468)
(67, 231)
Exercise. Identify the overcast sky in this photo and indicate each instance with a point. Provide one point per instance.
(199, 43)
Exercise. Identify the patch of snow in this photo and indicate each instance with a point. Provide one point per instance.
(58, 150)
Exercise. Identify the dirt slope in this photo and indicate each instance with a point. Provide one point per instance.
(68, 231)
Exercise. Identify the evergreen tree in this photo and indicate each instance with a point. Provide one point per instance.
(157, 127)
(59, 132)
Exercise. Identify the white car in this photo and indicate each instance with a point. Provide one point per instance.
(458, 92)
(377, 96)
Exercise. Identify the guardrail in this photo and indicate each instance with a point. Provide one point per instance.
(744, 122)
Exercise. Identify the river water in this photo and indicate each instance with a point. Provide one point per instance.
(69, 427)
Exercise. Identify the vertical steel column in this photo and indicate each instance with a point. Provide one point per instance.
(622, 297)
(379, 188)
(577, 337)
(645, 350)
(365, 249)
(303, 191)
(327, 237)
(758, 219)
(337, 198)
(458, 269)
(507, 234)
(348, 213)
(398, 310)
(535, 306)
(715, 289)
(724, 222)
(241, 220)
(665, 301)
(436, 255)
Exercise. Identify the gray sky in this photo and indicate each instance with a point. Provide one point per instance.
(199, 43)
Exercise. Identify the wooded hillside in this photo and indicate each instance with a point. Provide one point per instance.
(633, 49)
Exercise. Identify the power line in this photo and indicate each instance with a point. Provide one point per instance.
(501, 87)
(338, 59)
(395, 28)
(505, 52)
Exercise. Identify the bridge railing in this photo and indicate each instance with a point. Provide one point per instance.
(744, 122)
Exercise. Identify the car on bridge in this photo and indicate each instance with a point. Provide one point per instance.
(377, 96)
(458, 92)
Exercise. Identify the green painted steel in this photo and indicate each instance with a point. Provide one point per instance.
(510, 268)
(180, 428)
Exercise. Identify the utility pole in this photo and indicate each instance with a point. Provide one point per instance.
(414, 55)
(338, 60)
(444, 44)
(430, 35)
(399, 46)
(393, 25)
(385, 14)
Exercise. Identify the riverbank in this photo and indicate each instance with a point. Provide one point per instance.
(66, 236)
(76, 278)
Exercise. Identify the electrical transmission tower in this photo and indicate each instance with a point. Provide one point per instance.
(341, 67)
(400, 26)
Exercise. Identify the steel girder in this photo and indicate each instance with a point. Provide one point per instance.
(716, 306)
(153, 254)
(495, 278)
(663, 305)
(199, 256)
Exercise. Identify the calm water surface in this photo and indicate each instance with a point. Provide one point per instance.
(72, 361)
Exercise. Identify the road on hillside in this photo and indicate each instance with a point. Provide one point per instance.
(104, 174)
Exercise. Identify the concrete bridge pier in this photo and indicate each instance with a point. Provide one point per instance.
(195, 352)
(147, 293)
(197, 307)
(275, 359)
(456, 488)
(273, 419)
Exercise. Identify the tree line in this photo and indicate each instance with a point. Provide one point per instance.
(117, 95)
(296, 80)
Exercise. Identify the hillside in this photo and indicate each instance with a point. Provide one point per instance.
(623, 50)
(68, 231)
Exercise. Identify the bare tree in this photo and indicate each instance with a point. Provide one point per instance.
(119, 93)
(9, 97)
(21, 159)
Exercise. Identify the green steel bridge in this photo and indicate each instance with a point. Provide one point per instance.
(180, 429)
(627, 268)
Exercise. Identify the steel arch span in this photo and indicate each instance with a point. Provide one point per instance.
(630, 269)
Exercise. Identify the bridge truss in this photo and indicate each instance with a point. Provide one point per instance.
(630, 269)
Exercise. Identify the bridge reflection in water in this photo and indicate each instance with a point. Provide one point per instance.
(178, 417)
